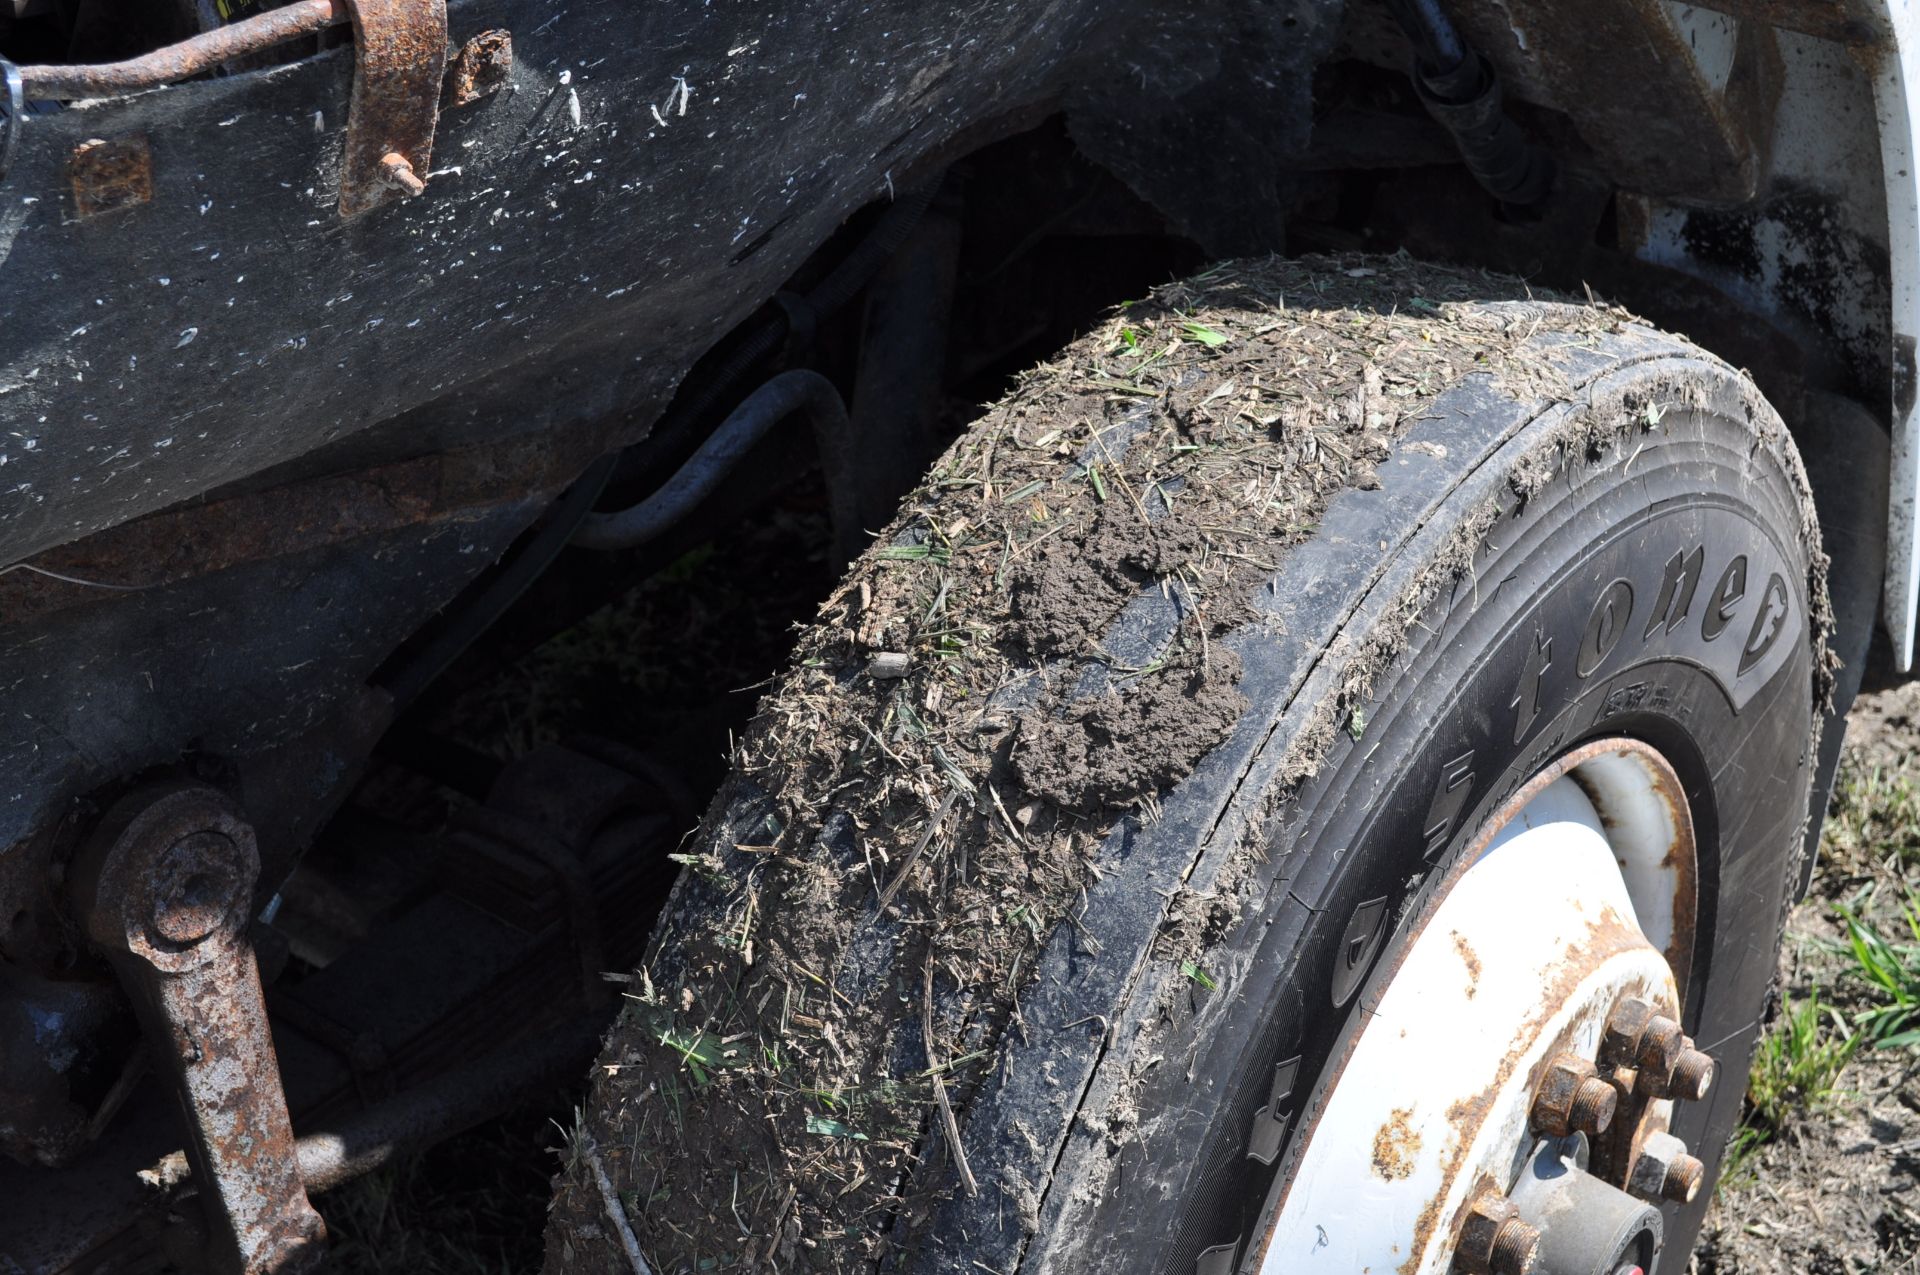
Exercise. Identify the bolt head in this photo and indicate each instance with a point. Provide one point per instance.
(168, 867)
(1692, 1075)
(1639, 1037)
(1494, 1239)
(1684, 1177)
(1572, 1099)
(1515, 1249)
(396, 172)
(1620, 1042)
(196, 883)
(1660, 1044)
(1665, 1171)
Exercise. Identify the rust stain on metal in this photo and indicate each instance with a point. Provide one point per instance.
(1684, 859)
(1608, 935)
(179, 544)
(110, 173)
(1396, 1146)
(188, 58)
(1605, 937)
(1683, 855)
(483, 66)
(1471, 960)
(166, 890)
(400, 58)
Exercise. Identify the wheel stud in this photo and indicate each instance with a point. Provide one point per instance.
(1494, 1240)
(1664, 1171)
(1572, 1099)
(1692, 1075)
(1664, 1061)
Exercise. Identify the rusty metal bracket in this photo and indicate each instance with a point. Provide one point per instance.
(399, 60)
(400, 57)
(62, 82)
(165, 889)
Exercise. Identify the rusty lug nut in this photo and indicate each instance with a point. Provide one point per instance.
(1640, 1037)
(1692, 1075)
(1572, 1099)
(396, 172)
(1494, 1240)
(1664, 1171)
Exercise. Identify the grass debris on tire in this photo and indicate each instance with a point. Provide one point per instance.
(1224, 632)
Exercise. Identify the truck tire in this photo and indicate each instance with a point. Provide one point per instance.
(1341, 700)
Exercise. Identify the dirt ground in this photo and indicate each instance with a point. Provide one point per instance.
(1836, 1189)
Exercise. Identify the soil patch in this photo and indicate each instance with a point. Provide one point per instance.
(1836, 1191)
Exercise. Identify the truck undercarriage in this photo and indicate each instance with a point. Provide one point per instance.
(349, 351)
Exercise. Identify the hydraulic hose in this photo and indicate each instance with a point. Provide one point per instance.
(1458, 87)
(839, 286)
(410, 678)
(799, 390)
(1437, 46)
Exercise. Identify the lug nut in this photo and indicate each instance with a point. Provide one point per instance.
(1684, 1176)
(397, 172)
(1664, 1171)
(1494, 1240)
(1664, 1061)
(1572, 1099)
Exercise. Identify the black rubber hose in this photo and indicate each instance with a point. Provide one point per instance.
(408, 680)
(799, 390)
(840, 286)
(1460, 90)
(1437, 46)
(859, 266)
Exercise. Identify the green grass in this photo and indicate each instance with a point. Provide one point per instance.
(1799, 1062)
(1796, 1071)
(1873, 820)
(1890, 968)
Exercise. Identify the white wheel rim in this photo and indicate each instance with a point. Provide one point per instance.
(1581, 895)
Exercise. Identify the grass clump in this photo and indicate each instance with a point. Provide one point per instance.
(1891, 970)
(1798, 1063)
(1873, 821)
(1796, 1071)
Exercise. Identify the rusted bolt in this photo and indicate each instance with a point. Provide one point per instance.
(1664, 1061)
(1692, 1075)
(397, 173)
(1664, 1171)
(1640, 1037)
(483, 65)
(1572, 1099)
(198, 882)
(1494, 1240)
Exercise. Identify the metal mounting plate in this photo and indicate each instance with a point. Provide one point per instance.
(400, 52)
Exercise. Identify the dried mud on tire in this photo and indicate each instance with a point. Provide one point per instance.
(872, 887)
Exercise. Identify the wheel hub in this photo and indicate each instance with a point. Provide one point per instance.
(1514, 1076)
